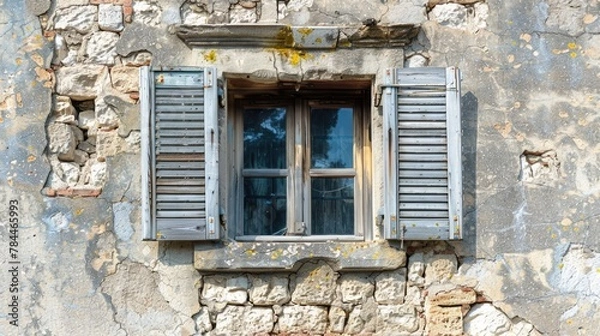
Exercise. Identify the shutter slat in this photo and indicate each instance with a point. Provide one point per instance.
(423, 190)
(419, 198)
(179, 149)
(421, 124)
(189, 99)
(178, 133)
(433, 98)
(180, 206)
(422, 108)
(423, 182)
(180, 198)
(184, 93)
(424, 206)
(168, 109)
(180, 124)
(434, 116)
(179, 116)
(406, 165)
(430, 149)
(421, 141)
(180, 173)
(180, 190)
(423, 157)
(183, 141)
(438, 173)
(180, 213)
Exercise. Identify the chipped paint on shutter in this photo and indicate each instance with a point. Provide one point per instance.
(183, 154)
(425, 165)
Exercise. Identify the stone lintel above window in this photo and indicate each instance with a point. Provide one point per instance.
(298, 37)
(287, 256)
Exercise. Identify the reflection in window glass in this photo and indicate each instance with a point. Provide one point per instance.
(331, 137)
(264, 138)
(265, 206)
(332, 206)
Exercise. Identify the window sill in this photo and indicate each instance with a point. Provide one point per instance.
(323, 238)
(283, 256)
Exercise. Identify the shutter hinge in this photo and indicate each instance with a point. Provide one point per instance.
(209, 81)
(211, 225)
(402, 230)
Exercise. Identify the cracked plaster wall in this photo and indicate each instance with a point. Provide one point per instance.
(530, 260)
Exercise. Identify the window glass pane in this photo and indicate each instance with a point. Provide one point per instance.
(332, 137)
(264, 138)
(265, 206)
(332, 206)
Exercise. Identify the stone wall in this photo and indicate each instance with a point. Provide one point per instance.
(530, 260)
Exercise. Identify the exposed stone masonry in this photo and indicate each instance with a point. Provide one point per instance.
(429, 296)
(94, 110)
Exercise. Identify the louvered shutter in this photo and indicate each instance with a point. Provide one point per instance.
(179, 153)
(423, 177)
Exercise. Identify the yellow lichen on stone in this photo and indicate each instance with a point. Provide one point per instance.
(305, 31)
(210, 56)
(31, 158)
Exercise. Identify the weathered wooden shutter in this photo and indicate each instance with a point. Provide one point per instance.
(179, 153)
(423, 177)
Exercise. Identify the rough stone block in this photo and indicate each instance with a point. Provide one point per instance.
(307, 319)
(110, 17)
(485, 319)
(80, 82)
(228, 289)
(396, 319)
(87, 120)
(105, 115)
(62, 141)
(362, 319)
(258, 321)
(315, 284)
(450, 297)
(202, 320)
(390, 287)
(63, 106)
(100, 47)
(269, 290)
(337, 319)
(70, 173)
(81, 157)
(79, 18)
(146, 12)
(240, 14)
(125, 78)
(446, 321)
(355, 288)
(451, 15)
(440, 268)
(98, 174)
(416, 270)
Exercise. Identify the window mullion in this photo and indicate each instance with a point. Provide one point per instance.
(296, 159)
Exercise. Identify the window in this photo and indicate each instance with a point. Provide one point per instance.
(297, 157)
(301, 164)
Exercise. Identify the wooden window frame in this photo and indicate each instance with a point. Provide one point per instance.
(299, 173)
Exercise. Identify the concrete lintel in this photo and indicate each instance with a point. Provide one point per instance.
(288, 256)
(284, 36)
